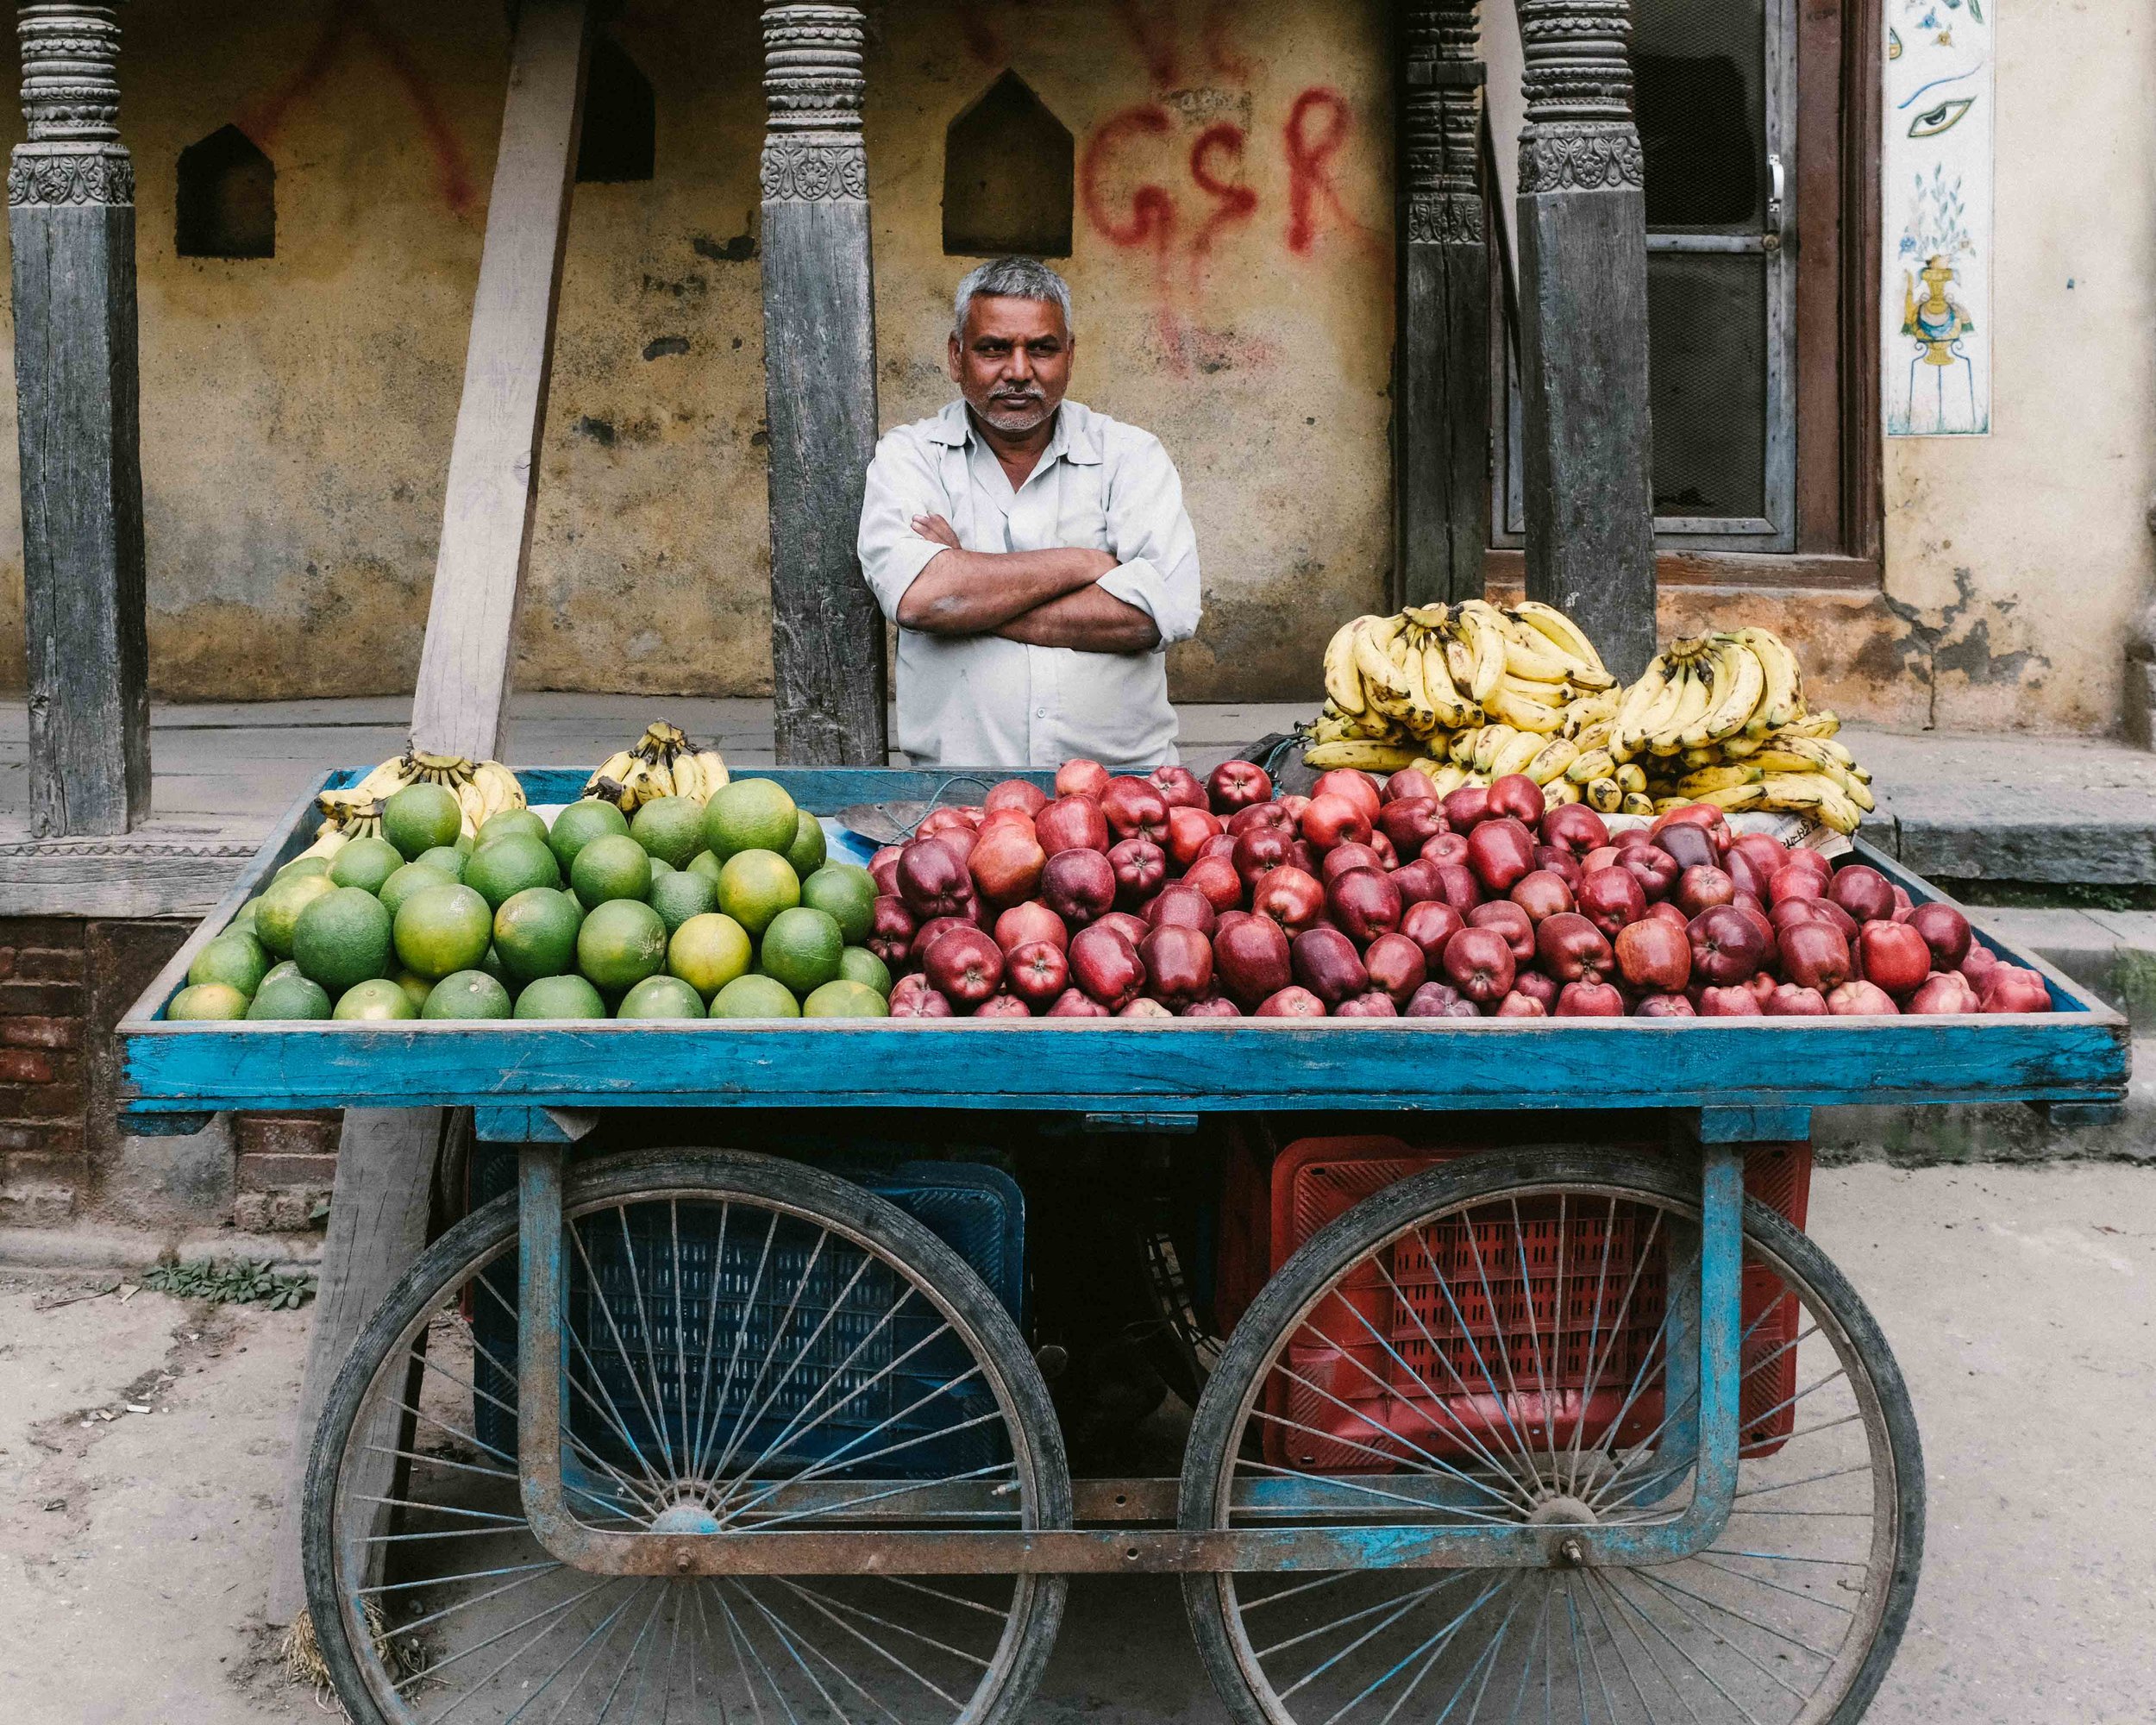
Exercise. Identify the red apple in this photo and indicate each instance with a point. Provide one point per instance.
(1507, 919)
(1611, 899)
(890, 929)
(1376, 1004)
(1571, 949)
(1290, 897)
(1655, 870)
(1666, 912)
(1036, 972)
(1977, 964)
(1764, 856)
(1023, 924)
(1863, 892)
(1518, 797)
(1440, 1000)
(1466, 808)
(1458, 888)
(1178, 788)
(1006, 863)
(1894, 956)
(1664, 1006)
(883, 869)
(1946, 931)
(1184, 904)
(1655, 957)
(1325, 962)
(1762, 986)
(1726, 947)
(1411, 822)
(1737, 1002)
(1417, 880)
(1397, 965)
(1479, 964)
(1235, 785)
(1814, 955)
(1143, 1008)
(1410, 784)
(1687, 843)
(1304, 856)
(1259, 852)
(1105, 966)
(1003, 1007)
(1500, 851)
(946, 818)
(1941, 992)
(1188, 831)
(1131, 928)
(1561, 862)
(1216, 878)
(1342, 857)
(1331, 821)
(932, 931)
(1587, 999)
(1861, 999)
(1273, 814)
(1214, 1007)
(1792, 1001)
(915, 997)
(1081, 778)
(1135, 810)
(1702, 887)
(1364, 903)
(1221, 844)
(1072, 823)
(1358, 787)
(1139, 866)
(1518, 1005)
(1022, 794)
(1178, 962)
(1079, 886)
(1903, 905)
(1430, 922)
(1250, 956)
(1542, 893)
(1074, 1004)
(1291, 1003)
(1535, 984)
(2013, 989)
(933, 881)
(1792, 881)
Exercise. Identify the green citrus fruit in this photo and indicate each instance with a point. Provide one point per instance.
(289, 997)
(466, 994)
(409, 880)
(670, 828)
(420, 817)
(561, 997)
(501, 870)
(492, 966)
(303, 865)
(578, 825)
(801, 948)
(808, 850)
(503, 822)
(365, 862)
(622, 941)
(281, 906)
(205, 1000)
(416, 988)
(708, 951)
(677, 895)
(446, 858)
(444, 929)
(612, 866)
(858, 964)
(278, 972)
(755, 997)
(238, 960)
(376, 1002)
(848, 892)
(534, 932)
(342, 939)
(706, 864)
(840, 999)
(755, 886)
(751, 814)
(660, 997)
(243, 918)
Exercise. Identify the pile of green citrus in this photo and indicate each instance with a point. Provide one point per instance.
(727, 909)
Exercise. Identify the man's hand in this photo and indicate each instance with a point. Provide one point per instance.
(935, 528)
(1091, 620)
(962, 593)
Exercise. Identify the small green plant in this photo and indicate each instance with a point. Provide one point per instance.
(233, 1282)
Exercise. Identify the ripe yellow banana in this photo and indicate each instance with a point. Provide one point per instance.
(1488, 740)
(1691, 702)
(1453, 706)
(1566, 635)
(1636, 802)
(1782, 695)
(1482, 630)
(1371, 757)
(1590, 765)
(1603, 796)
(1631, 778)
(1717, 779)
(1642, 706)
(1551, 759)
(1559, 792)
(1515, 755)
(1521, 711)
(1739, 682)
(1343, 686)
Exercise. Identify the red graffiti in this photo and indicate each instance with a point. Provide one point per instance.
(1154, 35)
(1221, 55)
(1236, 201)
(264, 119)
(1152, 214)
(1309, 163)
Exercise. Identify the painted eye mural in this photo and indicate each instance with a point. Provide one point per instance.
(1933, 121)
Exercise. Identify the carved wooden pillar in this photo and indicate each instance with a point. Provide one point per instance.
(1441, 446)
(1583, 327)
(71, 215)
(819, 339)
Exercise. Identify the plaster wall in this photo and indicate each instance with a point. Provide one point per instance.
(297, 412)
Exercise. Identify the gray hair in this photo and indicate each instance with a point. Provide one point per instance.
(1010, 278)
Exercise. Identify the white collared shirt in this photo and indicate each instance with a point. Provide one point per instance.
(980, 700)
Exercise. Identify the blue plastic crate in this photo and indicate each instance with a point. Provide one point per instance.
(855, 1398)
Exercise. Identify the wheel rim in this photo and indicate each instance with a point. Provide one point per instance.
(1506, 1356)
(828, 1380)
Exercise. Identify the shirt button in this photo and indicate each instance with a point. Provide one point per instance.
(1040, 713)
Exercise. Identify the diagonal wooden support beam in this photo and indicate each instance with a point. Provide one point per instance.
(486, 519)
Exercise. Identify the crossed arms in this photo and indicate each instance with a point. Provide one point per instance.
(1044, 598)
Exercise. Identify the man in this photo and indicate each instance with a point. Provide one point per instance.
(1035, 555)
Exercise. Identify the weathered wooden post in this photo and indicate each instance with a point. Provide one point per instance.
(71, 216)
(819, 339)
(1583, 327)
(1441, 440)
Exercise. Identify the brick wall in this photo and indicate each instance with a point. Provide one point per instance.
(44, 1003)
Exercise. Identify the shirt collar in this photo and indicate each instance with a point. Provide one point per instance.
(1075, 440)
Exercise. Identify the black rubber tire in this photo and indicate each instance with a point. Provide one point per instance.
(974, 1312)
(1215, 1428)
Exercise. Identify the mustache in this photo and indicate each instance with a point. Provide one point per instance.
(1018, 392)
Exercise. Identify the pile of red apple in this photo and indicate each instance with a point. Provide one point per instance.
(1164, 896)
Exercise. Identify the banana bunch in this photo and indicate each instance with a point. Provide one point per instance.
(482, 788)
(1721, 718)
(1432, 673)
(662, 763)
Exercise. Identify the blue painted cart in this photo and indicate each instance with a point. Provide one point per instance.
(1583, 1433)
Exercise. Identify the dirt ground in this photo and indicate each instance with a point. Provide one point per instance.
(142, 1446)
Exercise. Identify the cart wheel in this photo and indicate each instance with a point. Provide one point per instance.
(833, 1362)
(1486, 1343)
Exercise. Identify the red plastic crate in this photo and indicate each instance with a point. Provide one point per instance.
(1357, 1388)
